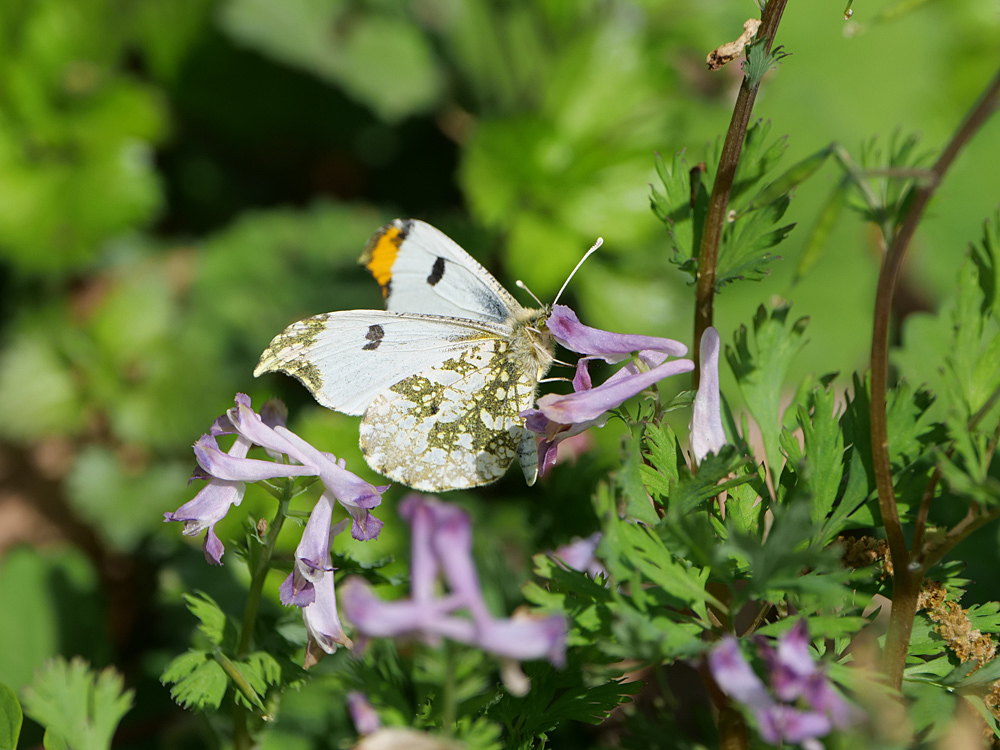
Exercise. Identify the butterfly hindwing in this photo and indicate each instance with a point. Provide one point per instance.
(422, 270)
(454, 425)
(348, 358)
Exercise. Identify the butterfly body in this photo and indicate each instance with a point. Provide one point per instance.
(440, 377)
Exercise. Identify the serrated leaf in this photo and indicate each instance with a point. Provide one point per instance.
(776, 567)
(212, 620)
(757, 159)
(853, 497)
(824, 450)
(199, 680)
(930, 703)
(630, 479)
(790, 179)
(760, 62)
(77, 705)
(632, 547)
(745, 240)
(674, 208)
(817, 239)
(820, 626)
(10, 718)
(760, 365)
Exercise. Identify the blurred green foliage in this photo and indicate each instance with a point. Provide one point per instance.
(180, 179)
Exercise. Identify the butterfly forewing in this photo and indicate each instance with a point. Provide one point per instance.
(433, 275)
(347, 358)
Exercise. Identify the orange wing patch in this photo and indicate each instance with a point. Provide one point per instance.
(380, 253)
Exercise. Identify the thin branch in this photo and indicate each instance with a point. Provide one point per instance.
(973, 521)
(708, 252)
(905, 583)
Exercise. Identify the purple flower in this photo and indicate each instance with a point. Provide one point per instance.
(355, 494)
(591, 404)
(558, 417)
(363, 715)
(311, 557)
(801, 704)
(322, 621)
(567, 329)
(228, 472)
(707, 433)
(442, 547)
(580, 555)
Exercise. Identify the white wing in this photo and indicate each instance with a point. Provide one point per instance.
(348, 358)
(421, 270)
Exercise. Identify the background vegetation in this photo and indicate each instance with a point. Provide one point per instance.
(180, 179)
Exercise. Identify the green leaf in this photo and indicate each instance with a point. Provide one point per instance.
(41, 590)
(760, 62)
(854, 495)
(631, 477)
(760, 365)
(80, 708)
(818, 239)
(681, 207)
(10, 718)
(790, 179)
(931, 703)
(744, 242)
(775, 568)
(980, 705)
(213, 621)
(823, 442)
(199, 680)
(384, 60)
(629, 548)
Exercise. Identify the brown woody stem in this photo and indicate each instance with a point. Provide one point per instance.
(906, 582)
(708, 252)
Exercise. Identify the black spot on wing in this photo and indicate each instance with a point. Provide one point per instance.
(375, 335)
(437, 272)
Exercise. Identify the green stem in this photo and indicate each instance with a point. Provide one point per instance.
(449, 710)
(906, 582)
(715, 217)
(242, 739)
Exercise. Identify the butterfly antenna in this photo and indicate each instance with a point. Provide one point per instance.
(521, 285)
(593, 249)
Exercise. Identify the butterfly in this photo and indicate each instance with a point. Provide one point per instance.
(440, 376)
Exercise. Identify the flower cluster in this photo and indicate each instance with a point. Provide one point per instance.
(228, 473)
(559, 417)
(794, 679)
(442, 547)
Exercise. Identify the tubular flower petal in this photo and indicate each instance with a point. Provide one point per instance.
(228, 472)
(442, 546)
(311, 557)
(580, 555)
(210, 505)
(611, 347)
(363, 715)
(707, 432)
(321, 618)
(558, 417)
(355, 494)
(591, 404)
(799, 704)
